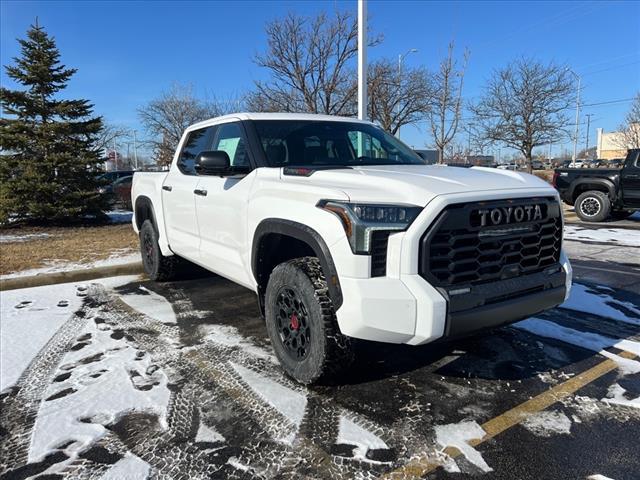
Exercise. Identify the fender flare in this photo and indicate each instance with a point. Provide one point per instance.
(141, 202)
(602, 182)
(307, 235)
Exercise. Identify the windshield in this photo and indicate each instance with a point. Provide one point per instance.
(330, 143)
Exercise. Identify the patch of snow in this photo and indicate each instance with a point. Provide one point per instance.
(120, 216)
(130, 468)
(288, 402)
(584, 299)
(626, 365)
(588, 340)
(616, 396)
(107, 381)
(57, 266)
(235, 463)
(350, 433)
(597, 476)
(457, 435)
(29, 317)
(27, 237)
(229, 336)
(548, 423)
(151, 304)
(618, 236)
(208, 434)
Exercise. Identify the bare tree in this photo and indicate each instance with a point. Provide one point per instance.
(165, 118)
(630, 129)
(310, 62)
(477, 142)
(445, 112)
(454, 152)
(524, 105)
(109, 134)
(396, 100)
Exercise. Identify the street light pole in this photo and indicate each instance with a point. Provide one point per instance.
(401, 57)
(575, 138)
(362, 59)
(586, 145)
(135, 149)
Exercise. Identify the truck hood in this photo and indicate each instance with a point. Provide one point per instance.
(417, 184)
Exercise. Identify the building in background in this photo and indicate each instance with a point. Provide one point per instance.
(613, 144)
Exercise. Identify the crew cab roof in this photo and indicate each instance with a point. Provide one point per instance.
(274, 116)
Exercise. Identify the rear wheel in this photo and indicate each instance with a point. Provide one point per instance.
(158, 267)
(593, 206)
(301, 322)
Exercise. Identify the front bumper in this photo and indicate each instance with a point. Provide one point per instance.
(403, 307)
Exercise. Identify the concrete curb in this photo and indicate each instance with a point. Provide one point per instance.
(72, 276)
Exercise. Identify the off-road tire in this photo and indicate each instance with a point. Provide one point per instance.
(329, 352)
(593, 206)
(158, 267)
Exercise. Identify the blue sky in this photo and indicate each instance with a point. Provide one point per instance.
(128, 52)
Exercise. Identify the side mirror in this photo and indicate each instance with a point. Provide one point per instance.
(212, 162)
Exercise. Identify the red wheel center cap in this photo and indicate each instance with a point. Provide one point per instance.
(295, 323)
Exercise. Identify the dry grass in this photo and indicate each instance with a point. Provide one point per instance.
(71, 244)
(546, 175)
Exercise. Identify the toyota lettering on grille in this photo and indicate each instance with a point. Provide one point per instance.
(507, 215)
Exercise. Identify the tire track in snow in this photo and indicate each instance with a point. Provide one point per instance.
(21, 403)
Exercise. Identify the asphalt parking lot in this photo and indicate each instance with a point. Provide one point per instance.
(552, 397)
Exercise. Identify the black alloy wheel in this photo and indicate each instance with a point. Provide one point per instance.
(293, 323)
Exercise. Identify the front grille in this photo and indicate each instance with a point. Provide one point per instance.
(379, 242)
(459, 249)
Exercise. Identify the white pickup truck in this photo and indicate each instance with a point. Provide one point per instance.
(343, 232)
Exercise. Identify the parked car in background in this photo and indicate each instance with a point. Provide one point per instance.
(537, 165)
(576, 164)
(118, 192)
(564, 164)
(110, 177)
(616, 163)
(508, 166)
(598, 193)
(122, 192)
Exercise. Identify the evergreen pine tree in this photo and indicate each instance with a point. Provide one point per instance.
(48, 155)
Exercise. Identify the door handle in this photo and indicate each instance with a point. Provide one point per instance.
(168, 188)
(202, 193)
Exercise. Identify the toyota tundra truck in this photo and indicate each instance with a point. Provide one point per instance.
(344, 233)
(597, 193)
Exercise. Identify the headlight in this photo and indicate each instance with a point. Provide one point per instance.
(360, 220)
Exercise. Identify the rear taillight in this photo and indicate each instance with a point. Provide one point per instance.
(555, 178)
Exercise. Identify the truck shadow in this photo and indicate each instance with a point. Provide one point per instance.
(503, 354)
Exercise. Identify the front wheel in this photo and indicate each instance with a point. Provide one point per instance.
(158, 267)
(302, 324)
(593, 206)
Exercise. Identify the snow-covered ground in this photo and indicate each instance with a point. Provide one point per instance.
(617, 236)
(29, 320)
(600, 301)
(30, 317)
(116, 371)
(57, 266)
(120, 216)
(11, 238)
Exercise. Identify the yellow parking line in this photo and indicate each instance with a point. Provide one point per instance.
(421, 466)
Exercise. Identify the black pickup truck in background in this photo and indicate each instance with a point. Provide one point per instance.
(598, 193)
